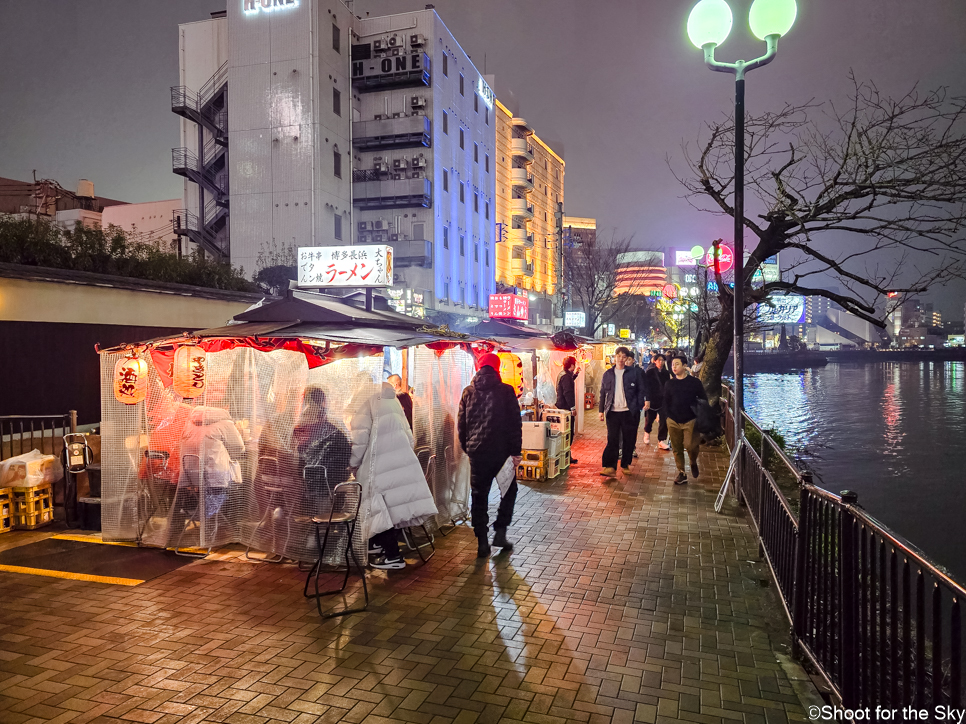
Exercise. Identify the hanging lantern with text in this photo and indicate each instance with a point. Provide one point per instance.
(131, 380)
(189, 371)
(511, 371)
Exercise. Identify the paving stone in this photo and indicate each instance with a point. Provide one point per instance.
(625, 600)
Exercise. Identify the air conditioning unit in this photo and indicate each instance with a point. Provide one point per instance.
(417, 102)
(394, 41)
(398, 176)
(400, 163)
(363, 225)
(419, 161)
(395, 51)
(394, 237)
(379, 117)
(365, 237)
(379, 45)
(417, 40)
(380, 165)
(398, 114)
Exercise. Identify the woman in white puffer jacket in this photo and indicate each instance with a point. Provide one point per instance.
(395, 492)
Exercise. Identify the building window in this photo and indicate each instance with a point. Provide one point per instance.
(446, 65)
(486, 255)
(419, 231)
(338, 227)
(446, 237)
(463, 296)
(486, 206)
(446, 291)
(336, 162)
(476, 152)
(462, 245)
(487, 164)
(445, 121)
(445, 180)
(486, 113)
(476, 202)
(336, 39)
(461, 84)
(336, 102)
(462, 199)
(476, 102)
(462, 141)
(476, 252)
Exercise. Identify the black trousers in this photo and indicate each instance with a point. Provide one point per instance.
(389, 542)
(649, 417)
(482, 472)
(621, 438)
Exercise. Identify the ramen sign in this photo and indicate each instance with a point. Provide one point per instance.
(345, 266)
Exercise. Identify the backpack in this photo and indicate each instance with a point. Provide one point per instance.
(707, 420)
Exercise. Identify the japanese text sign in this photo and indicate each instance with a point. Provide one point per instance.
(368, 265)
(509, 306)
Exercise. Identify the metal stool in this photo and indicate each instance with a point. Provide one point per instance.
(193, 515)
(344, 511)
(276, 499)
(408, 536)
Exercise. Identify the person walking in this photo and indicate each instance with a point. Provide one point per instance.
(655, 377)
(681, 393)
(394, 489)
(621, 399)
(639, 371)
(490, 430)
(567, 396)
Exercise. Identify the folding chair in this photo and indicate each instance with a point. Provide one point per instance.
(343, 512)
(192, 485)
(429, 472)
(156, 475)
(268, 473)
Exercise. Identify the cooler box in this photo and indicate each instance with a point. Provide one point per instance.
(536, 435)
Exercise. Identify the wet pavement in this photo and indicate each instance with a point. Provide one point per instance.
(626, 599)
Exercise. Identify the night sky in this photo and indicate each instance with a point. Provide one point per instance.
(614, 84)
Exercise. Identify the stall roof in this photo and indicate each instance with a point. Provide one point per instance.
(323, 309)
(379, 336)
(498, 329)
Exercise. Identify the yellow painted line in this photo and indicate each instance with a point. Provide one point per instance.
(92, 539)
(71, 576)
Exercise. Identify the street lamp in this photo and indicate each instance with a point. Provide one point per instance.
(708, 26)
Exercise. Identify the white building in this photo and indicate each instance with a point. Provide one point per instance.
(303, 125)
(423, 136)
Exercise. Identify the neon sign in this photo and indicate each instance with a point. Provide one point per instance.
(486, 93)
(253, 7)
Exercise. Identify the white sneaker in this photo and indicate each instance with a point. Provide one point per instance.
(647, 438)
(664, 445)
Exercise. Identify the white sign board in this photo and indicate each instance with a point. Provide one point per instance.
(368, 265)
(610, 330)
(575, 319)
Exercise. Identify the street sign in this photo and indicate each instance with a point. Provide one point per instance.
(610, 330)
(345, 266)
(625, 334)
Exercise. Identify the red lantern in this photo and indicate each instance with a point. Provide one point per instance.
(511, 371)
(189, 373)
(131, 380)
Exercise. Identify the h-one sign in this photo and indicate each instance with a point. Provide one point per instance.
(509, 306)
(345, 266)
(251, 7)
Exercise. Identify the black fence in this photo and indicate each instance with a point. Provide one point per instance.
(20, 434)
(878, 619)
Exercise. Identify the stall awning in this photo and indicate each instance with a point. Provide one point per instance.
(322, 309)
(376, 336)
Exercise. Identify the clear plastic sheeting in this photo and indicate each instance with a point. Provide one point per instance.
(259, 454)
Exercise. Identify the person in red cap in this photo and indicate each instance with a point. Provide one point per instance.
(490, 430)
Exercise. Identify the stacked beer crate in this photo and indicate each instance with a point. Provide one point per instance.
(6, 509)
(32, 506)
(559, 422)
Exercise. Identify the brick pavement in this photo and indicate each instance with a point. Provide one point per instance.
(626, 600)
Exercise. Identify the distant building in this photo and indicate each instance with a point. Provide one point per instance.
(578, 230)
(643, 272)
(148, 223)
(529, 192)
(47, 198)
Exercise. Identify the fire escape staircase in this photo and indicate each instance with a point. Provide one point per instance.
(208, 109)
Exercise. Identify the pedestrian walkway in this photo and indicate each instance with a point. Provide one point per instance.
(625, 600)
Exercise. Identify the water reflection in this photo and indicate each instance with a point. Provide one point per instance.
(893, 432)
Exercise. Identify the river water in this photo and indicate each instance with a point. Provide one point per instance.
(894, 432)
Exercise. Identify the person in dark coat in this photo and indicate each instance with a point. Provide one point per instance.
(405, 399)
(681, 394)
(567, 396)
(621, 400)
(654, 380)
(490, 431)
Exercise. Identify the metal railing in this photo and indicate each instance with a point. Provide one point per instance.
(20, 434)
(879, 620)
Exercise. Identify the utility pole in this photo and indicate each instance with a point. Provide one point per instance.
(558, 286)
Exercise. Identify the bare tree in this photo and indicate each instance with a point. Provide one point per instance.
(596, 280)
(890, 175)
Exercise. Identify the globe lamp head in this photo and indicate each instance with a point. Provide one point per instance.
(772, 17)
(709, 23)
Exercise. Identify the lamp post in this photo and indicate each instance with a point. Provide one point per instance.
(708, 26)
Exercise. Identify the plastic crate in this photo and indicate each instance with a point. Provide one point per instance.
(564, 460)
(553, 468)
(32, 500)
(555, 445)
(535, 457)
(30, 521)
(559, 419)
(6, 509)
(532, 471)
(567, 440)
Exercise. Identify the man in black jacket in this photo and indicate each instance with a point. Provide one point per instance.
(621, 400)
(655, 377)
(567, 396)
(490, 431)
(681, 393)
